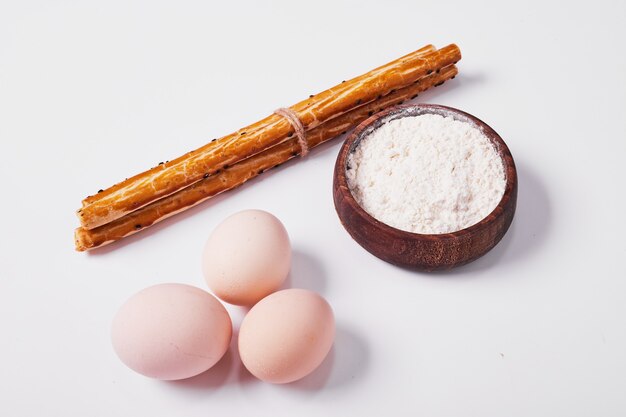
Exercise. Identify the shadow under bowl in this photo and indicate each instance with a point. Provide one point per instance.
(424, 252)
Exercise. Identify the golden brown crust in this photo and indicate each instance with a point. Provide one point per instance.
(170, 177)
(247, 169)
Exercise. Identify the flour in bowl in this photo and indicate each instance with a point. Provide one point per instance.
(426, 174)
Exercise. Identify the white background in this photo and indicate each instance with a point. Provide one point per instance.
(92, 92)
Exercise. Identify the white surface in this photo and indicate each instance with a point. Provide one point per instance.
(91, 92)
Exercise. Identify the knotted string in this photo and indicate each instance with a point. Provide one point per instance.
(294, 121)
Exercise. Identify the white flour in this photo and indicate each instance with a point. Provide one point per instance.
(426, 174)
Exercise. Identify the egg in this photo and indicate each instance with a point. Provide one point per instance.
(247, 257)
(286, 336)
(171, 331)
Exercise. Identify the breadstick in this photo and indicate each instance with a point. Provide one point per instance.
(241, 172)
(249, 130)
(168, 178)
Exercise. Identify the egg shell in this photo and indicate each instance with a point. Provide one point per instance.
(171, 331)
(287, 335)
(247, 257)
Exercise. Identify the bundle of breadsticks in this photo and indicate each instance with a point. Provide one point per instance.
(223, 164)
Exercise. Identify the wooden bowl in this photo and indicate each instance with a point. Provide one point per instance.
(425, 252)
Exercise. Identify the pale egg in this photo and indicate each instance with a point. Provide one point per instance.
(247, 257)
(171, 331)
(287, 335)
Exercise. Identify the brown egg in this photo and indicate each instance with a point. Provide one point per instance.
(287, 335)
(171, 331)
(247, 257)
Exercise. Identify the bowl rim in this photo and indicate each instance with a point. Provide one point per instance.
(367, 126)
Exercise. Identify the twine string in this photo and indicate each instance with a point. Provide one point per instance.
(296, 123)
